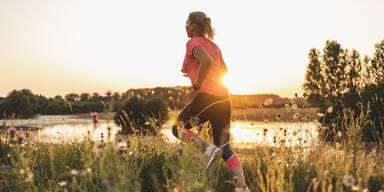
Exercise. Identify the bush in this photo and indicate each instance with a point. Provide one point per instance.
(145, 116)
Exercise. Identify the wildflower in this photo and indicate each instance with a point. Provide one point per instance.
(339, 134)
(104, 183)
(63, 183)
(266, 121)
(180, 150)
(338, 145)
(214, 181)
(296, 116)
(95, 117)
(20, 139)
(268, 101)
(122, 147)
(355, 188)
(273, 155)
(22, 171)
(307, 116)
(286, 106)
(74, 172)
(348, 180)
(29, 177)
(181, 123)
(100, 150)
(320, 163)
(265, 130)
(196, 118)
(294, 106)
(137, 131)
(330, 109)
(12, 131)
(201, 125)
(320, 114)
(108, 93)
(365, 190)
(234, 179)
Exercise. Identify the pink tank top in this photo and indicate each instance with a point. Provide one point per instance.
(213, 83)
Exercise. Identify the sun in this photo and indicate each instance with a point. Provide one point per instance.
(236, 85)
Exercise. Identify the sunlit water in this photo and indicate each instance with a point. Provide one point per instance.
(244, 134)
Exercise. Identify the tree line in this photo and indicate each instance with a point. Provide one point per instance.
(25, 104)
(342, 79)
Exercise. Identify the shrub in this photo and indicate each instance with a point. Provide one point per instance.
(145, 116)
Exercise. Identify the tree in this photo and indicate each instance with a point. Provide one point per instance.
(335, 61)
(58, 97)
(85, 97)
(71, 97)
(314, 82)
(352, 82)
(377, 63)
(18, 104)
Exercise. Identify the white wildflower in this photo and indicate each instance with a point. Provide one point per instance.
(348, 180)
(63, 183)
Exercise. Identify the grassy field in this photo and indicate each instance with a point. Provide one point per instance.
(147, 163)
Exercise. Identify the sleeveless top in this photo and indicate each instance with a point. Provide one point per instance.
(213, 83)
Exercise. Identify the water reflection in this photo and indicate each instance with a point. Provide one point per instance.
(244, 134)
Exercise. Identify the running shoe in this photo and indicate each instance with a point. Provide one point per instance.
(214, 153)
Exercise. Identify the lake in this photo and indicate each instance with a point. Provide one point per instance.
(59, 128)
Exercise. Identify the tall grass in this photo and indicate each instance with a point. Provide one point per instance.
(146, 163)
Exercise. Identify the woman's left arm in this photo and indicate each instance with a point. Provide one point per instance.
(205, 63)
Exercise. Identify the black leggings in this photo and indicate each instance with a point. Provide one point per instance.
(216, 110)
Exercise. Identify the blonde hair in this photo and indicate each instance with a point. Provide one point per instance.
(203, 22)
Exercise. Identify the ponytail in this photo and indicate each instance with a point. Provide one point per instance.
(204, 24)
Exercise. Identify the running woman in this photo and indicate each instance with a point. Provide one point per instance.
(204, 66)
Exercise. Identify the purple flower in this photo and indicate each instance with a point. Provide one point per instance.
(201, 125)
(180, 150)
(104, 183)
(382, 186)
(137, 131)
(108, 93)
(196, 118)
(12, 131)
(95, 116)
(214, 181)
(234, 179)
(101, 150)
(320, 163)
(181, 123)
(20, 138)
(265, 129)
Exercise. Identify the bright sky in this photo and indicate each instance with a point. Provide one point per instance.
(61, 46)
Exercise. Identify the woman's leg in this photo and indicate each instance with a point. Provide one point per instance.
(220, 122)
(183, 124)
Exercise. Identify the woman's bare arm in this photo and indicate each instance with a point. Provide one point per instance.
(205, 63)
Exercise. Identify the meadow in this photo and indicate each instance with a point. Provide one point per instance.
(148, 163)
